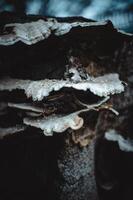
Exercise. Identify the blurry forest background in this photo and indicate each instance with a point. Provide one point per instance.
(120, 12)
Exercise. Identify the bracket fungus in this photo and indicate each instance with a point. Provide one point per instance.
(62, 75)
(33, 32)
(124, 144)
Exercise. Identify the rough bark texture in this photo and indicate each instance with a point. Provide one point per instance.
(76, 169)
(74, 165)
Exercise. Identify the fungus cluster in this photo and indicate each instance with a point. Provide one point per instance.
(61, 77)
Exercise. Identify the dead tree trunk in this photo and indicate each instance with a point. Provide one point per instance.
(65, 108)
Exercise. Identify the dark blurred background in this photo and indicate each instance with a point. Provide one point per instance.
(120, 12)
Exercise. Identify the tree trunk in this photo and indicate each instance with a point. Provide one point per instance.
(63, 82)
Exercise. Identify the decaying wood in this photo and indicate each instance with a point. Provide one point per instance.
(70, 78)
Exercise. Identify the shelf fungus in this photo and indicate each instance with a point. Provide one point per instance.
(9, 131)
(61, 77)
(33, 32)
(38, 90)
(125, 144)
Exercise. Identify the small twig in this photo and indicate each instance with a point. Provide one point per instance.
(107, 108)
(26, 106)
(96, 105)
(93, 105)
